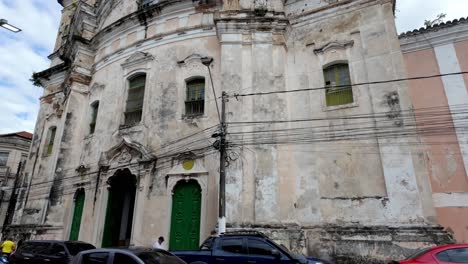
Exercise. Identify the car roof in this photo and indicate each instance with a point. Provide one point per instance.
(55, 241)
(243, 233)
(448, 246)
(134, 250)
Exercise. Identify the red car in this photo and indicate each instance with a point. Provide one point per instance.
(448, 254)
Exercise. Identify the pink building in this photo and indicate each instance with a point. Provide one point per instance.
(443, 49)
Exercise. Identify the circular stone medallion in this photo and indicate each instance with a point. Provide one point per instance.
(188, 164)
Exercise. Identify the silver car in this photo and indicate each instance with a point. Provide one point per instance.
(126, 256)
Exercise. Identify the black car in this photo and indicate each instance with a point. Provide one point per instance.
(126, 256)
(243, 246)
(48, 251)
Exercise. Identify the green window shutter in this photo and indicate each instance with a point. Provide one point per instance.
(338, 75)
(195, 98)
(108, 236)
(136, 94)
(50, 143)
(77, 213)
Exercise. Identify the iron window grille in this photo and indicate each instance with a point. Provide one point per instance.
(338, 83)
(195, 98)
(136, 93)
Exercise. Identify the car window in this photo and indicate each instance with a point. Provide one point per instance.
(120, 258)
(95, 258)
(75, 248)
(443, 256)
(34, 247)
(150, 257)
(232, 245)
(259, 248)
(207, 245)
(455, 255)
(25, 248)
(55, 250)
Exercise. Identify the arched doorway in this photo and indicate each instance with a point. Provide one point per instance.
(119, 213)
(185, 217)
(79, 199)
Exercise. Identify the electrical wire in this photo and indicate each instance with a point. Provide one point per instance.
(236, 95)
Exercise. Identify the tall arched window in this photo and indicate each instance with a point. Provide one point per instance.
(195, 98)
(94, 112)
(49, 147)
(136, 94)
(338, 83)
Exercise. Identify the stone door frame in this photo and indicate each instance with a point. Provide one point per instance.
(202, 180)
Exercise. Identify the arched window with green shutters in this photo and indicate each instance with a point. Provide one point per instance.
(77, 213)
(136, 94)
(338, 83)
(195, 98)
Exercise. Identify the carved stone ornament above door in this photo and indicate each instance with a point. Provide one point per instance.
(125, 152)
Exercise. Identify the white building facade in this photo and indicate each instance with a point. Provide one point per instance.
(124, 149)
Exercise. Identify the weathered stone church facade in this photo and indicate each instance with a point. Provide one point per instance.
(123, 149)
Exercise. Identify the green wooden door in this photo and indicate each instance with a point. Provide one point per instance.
(185, 219)
(109, 224)
(77, 213)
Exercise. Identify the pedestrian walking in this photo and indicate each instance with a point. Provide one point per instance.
(159, 244)
(7, 247)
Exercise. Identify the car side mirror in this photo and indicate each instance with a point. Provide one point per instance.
(275, 253)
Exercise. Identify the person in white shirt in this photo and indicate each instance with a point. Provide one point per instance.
(159, 244)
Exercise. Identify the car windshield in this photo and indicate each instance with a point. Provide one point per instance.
(34, 247)
(75, 248)
(418, 253)
(207, 245)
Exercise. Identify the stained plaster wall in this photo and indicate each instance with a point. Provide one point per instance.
(372, 182)
(326, 182)
(431, 53)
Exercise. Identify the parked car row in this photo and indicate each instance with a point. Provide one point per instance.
(65, 252)
(229, 248)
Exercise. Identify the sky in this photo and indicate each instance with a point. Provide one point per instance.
(26, 52)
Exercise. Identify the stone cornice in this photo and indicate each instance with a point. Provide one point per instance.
(241, 21)
(155, 41)
(51, 71)
(333, 10)
(141, 14)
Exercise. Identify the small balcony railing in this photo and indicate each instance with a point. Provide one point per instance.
(339, 96)
(194, 108)
(132, 118)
